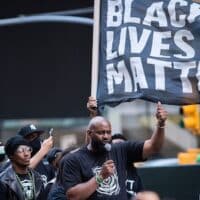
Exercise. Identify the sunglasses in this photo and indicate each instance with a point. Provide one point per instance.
(24, 149)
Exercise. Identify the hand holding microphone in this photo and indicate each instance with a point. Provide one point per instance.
(107, 169)
(108, 166)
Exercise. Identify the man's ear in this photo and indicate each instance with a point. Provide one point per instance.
(87, 138)
(88, 133)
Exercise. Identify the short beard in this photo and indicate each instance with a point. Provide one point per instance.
(98, 146)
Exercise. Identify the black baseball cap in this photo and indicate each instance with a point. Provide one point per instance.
(28, 129)
(52, 154)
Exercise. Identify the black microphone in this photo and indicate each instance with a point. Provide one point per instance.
(108, 147)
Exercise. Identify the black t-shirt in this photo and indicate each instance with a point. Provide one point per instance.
(45, 170)
(133, 182)
(82, 165)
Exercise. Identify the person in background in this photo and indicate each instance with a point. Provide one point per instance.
(98, 170)
(53, 157)
(18, 181)
(133, 181)
(2, 156)
(146, 195)
(40, 149)
(55, 191)
(118, 137)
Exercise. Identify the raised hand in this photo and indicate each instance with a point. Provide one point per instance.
(92, 106)
(161, 114)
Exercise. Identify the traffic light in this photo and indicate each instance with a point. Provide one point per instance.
(191, 118)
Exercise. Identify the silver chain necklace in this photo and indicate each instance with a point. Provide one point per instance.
(31, 196)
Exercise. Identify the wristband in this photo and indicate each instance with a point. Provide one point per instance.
(99, 179)
(161, 126)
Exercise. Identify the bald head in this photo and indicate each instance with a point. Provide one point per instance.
(147, 195)
(99, 133)
(96, 121)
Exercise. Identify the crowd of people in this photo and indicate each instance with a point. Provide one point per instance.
(101, 169)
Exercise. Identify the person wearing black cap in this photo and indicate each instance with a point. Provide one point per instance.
(53, 157)
(40, 149)
(18, 181)
(31, 133)
(54, 189)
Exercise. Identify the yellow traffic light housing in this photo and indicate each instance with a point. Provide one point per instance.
(191, 118)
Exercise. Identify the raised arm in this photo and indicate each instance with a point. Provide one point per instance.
(45, 147)
(154, 144)
(93, 112)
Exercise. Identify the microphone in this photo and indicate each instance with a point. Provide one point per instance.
(108, 147)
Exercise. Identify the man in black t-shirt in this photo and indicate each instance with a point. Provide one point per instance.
(98, 170)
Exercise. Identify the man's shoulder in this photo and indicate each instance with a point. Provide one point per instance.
(128, 142)
(7, 170)
(8, 174)
(74, 155)
(4, 166)
(127, 146)
(35, 173)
